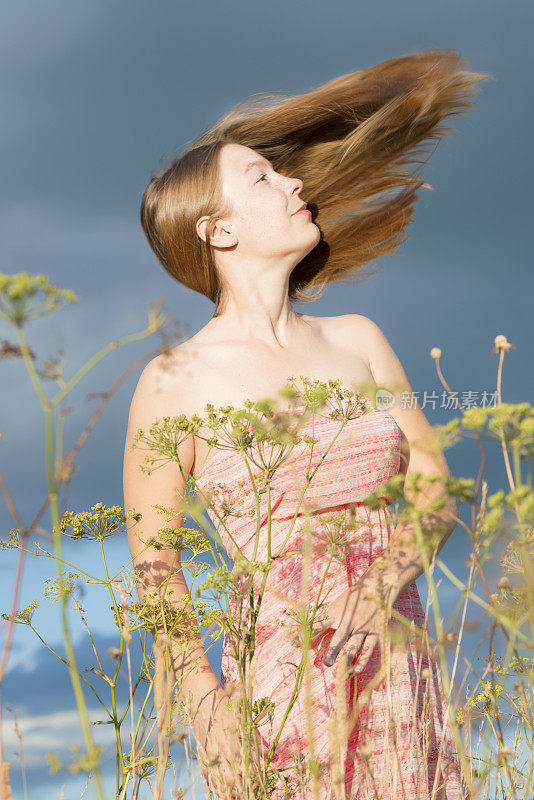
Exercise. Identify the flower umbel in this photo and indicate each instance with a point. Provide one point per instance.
(100, 524)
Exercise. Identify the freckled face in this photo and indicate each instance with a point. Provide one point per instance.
(264, 202)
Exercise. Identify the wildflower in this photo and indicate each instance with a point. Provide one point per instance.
(95, 526)
(24, 616)
(61, 586)
(179, 539)
(502, 344)
(55, 765)
(165, 437)
(13, 541)
(18, 290)
(435, 352)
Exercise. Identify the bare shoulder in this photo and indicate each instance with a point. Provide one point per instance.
(155, 397)
(355, 323)
(389, 374)
(168, 375)
(384, 364)
(356, 331)
(373, 346)
(158, 392)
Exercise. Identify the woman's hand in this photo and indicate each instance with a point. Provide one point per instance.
(215, 732)
(354, 616)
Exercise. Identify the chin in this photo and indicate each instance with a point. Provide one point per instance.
(317, 229)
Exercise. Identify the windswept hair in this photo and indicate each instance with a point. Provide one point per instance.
(349, 141)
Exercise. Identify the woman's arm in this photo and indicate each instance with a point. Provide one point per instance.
(401, 560)
(354, 613)
(154, 399)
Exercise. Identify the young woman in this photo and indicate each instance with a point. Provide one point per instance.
(281, 197)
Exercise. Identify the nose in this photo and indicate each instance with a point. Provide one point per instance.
(297, 185)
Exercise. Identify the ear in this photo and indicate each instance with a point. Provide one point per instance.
(221, 235)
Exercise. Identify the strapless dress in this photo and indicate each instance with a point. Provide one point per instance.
(400, 731)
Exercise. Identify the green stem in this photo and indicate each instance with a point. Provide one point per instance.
(66, 664)
(52, 491)
(517, 464)
(88, 366)
(120, 765)
(44, 554)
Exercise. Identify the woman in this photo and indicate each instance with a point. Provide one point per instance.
(266, 207)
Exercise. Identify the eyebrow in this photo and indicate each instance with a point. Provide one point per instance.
(257, 163)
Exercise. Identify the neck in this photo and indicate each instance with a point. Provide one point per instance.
(260, 311)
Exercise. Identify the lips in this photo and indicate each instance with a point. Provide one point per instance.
(302, 208)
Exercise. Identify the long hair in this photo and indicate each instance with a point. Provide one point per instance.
(349, 141)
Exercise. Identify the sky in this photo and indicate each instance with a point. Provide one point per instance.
(95, 96)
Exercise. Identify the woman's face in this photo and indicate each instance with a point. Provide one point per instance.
(264, 203)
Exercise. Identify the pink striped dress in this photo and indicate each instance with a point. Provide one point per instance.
(401, 744)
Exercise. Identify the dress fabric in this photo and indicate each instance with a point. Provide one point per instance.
(350, 459)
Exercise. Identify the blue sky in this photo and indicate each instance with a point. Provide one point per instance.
(94, 95)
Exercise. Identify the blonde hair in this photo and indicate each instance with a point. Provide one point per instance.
(349, 141)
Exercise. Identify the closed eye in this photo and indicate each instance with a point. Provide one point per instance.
(262, 177)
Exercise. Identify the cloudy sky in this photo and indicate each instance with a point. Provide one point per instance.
(94, 95)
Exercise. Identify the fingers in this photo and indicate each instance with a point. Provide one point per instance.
(344, 630)
(363, 652)
(222, 775)
(221, 785)
(231, 781)
(336, 643)
(350, 630)
(226, 778)
(361, 645)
